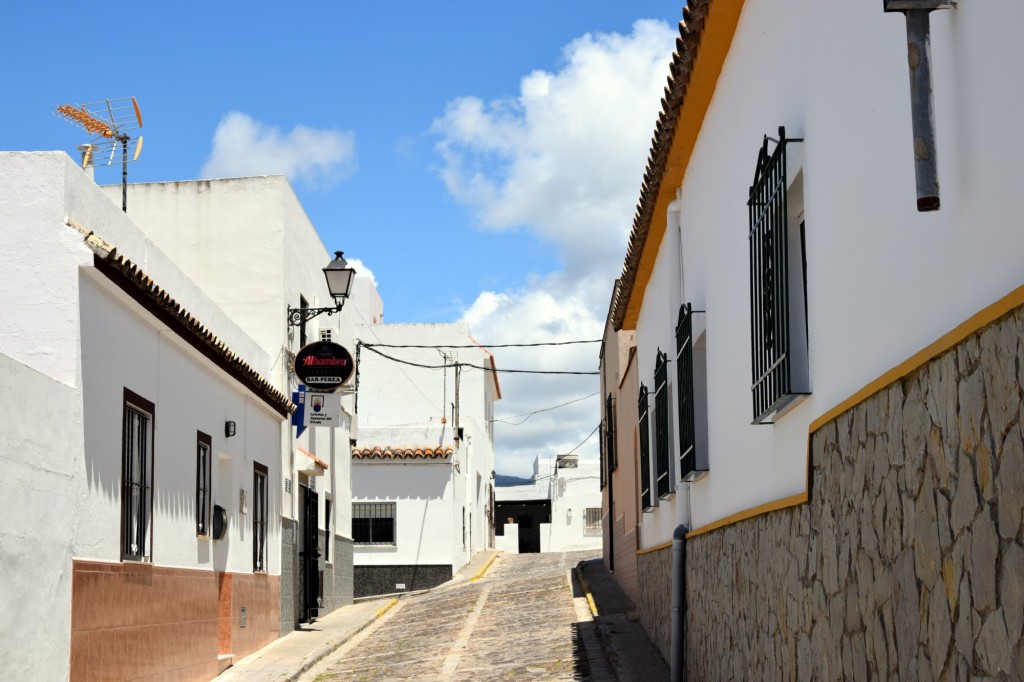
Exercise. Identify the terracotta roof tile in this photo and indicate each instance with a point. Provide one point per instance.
(146, 288)
(313, 457)
(401, 452)
(681, 69)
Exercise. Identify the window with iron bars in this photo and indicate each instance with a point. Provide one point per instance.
(593, 521)
(661, 433)
(136, 477)
(373, 523)
(647, 500)
(684, 389)
(259, 517)
(203, 477)
(610, 460)
(778, 311)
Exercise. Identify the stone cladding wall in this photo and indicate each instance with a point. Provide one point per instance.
(374, 580)
(289, 575)
(337, 575)
(908, 560)
(654, 611)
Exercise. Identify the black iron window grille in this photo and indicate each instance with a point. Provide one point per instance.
(203, 475)
(329, 536)
(592, 521)
(776, 381)
(136, 477)
(259, 518)
(610, 461)
(646, 498)
(661, 432)
(373, 523)
(684, 389)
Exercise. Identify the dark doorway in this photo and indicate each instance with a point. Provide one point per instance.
(309, 556)
(529, 515)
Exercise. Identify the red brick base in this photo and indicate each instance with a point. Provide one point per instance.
(132, 620)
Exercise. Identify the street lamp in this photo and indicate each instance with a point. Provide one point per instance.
(339, 282)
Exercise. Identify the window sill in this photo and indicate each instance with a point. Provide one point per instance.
(780, 409)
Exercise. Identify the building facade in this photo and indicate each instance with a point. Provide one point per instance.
(620, 469)
(558, 511)
(139, 446)
(826, 398)
(423, 463)
(249, 244)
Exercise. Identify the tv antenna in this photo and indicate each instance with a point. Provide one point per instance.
(108, 120)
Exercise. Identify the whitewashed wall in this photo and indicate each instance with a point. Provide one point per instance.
(571, 491)
(67, 336)
(123, 347)
(425, 505)
(883, 279)
(268, 254)
(40, 461)
(575, 490)
(392, 393)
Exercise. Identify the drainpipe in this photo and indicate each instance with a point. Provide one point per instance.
(678, 646)
(922, 102)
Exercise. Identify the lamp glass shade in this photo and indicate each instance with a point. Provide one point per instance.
(339, 276)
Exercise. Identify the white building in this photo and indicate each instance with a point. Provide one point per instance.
(558, 511)
(423, 464)
(250, 246)
(786, 270)
(138, 443)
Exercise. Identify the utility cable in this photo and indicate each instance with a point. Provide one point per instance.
(480, 367)
(545, 409)
(414, 385)
(484, 346)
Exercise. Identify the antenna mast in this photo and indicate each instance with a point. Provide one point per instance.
(108, 120)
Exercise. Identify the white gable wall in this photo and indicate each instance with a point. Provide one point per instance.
(883, 280)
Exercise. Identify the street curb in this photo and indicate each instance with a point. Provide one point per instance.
(586, 590)
(310, 663)
(384, 609)
(483, 570)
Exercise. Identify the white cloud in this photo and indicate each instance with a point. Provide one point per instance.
(565, 159)
(553, 308)
(243, 146)
(362, 270)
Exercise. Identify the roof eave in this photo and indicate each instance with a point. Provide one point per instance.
(705, 37)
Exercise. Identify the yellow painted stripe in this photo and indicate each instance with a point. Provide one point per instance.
(590, 602)
(384, 609)
(972, 325)
(482, 571)
(784, 503)
(656, 548)
(716, 37)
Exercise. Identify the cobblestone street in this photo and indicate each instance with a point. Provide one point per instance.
(518, 622)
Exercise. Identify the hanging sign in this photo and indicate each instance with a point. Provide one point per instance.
(324, 366)
(322, 409)
(315, 409)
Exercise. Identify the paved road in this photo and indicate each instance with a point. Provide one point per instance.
(520, 622)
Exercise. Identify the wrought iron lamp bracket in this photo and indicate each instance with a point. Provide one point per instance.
(299, 316)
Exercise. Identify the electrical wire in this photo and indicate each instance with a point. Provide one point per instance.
(584, 440)
(471, 365)
(545, 409)
(488, 345)
(414, 385)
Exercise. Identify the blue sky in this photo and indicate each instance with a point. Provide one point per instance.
(482, 159)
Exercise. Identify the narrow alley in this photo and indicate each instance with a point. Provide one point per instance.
(520, 621)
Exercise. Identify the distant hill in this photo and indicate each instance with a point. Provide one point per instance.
(503, 481)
